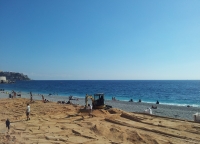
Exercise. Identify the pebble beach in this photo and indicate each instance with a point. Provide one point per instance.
(171, 111)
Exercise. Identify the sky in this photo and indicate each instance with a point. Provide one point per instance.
(101, 39)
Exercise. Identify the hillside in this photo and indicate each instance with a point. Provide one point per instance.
(14, 76)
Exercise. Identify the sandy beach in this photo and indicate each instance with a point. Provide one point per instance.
(70, 123)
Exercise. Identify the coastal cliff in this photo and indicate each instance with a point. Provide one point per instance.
(14, 76)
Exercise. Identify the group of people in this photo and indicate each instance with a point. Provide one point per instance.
(131, 100)
(64, 102)
(13, 94)
(149, 110)
(69, 101)
(113, 98)
(71, 98)
(44, 100)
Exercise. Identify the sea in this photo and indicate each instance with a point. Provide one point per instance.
(170, 92)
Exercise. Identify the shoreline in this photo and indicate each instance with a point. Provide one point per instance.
(171, 111)
(62, 96)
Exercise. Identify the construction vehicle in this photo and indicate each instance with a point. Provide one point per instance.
(98, 101)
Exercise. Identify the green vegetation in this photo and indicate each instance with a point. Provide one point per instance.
(14, 76)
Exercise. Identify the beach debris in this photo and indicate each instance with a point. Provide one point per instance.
(148, 110)
(197, 117)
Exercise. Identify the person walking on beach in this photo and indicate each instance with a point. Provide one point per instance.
(28, 109)
(8, 124)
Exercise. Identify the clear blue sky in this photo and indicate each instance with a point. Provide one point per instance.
(101, 39)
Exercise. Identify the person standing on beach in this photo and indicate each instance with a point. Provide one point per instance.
(15, 94)
(8, 124)
(28, 109)
(42, 98)
(12, 94)
(90, 110)
(31, 97)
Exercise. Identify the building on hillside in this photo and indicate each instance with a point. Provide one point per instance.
(3, 79)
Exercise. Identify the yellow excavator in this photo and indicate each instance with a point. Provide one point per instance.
(98, 101)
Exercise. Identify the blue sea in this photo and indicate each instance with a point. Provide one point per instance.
(171, 92)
